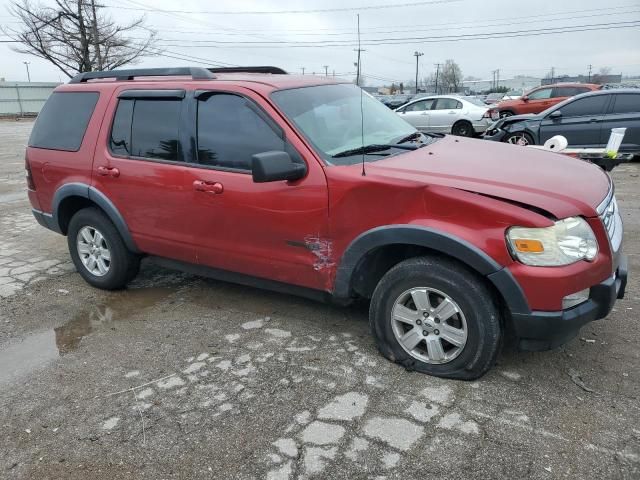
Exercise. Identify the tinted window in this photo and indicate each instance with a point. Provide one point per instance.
(63, 121)
(565, 91)
(447, 104)
(154, 133)
(419, 106)
(230, 132)
(146, 128)
(582, 90)
(540, 94)
(585, 106)
(628, 103)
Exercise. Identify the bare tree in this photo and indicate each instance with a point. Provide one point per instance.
(451, 76)
(75, 36)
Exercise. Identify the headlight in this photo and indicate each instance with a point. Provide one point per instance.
(567, 241)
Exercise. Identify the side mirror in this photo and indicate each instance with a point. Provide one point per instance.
(555, 114)
(525, 98)
(275, 166)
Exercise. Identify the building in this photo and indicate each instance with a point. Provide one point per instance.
(595, 78)
(518, 82)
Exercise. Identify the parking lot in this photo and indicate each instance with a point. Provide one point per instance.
(183, 377)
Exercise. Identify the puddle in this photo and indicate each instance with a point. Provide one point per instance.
(38, 349)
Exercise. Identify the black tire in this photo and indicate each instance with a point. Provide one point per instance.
(464, 287)
(514, 139)
(463, 129)
(506, 113)
(123, 265)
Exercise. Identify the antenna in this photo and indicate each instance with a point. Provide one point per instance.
(364, 173)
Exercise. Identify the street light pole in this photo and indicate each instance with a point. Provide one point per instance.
(417, 55)
(326, 70)
(26, 64)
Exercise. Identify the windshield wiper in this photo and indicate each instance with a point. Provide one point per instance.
(373, 148)
(408, 138)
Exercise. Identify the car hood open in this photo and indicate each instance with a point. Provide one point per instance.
(558, 184)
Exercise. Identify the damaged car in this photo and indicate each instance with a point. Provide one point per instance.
(306, 185)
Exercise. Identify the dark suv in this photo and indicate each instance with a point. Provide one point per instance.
(305, 185)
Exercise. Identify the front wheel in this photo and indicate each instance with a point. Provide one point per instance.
(506, 113)
(519, 138)
(434, 316)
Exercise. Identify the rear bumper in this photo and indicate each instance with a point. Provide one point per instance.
(539, 331)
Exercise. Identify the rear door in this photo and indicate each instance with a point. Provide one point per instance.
(580, 123)
(624, 112)
(444, 114)
(140, 166)
(274, 230)
(418, 114)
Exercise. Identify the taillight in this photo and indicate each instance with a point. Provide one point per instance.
(27, 168)
(487, 114)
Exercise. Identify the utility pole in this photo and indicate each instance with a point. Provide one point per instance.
(26, 64)
(326, 70)
(437, 75)
(590, 67)
(303, 68)
(417, 55)
(497, 78)
(553, 74)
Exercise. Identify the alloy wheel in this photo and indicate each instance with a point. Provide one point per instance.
(429, 325)
(93, 251)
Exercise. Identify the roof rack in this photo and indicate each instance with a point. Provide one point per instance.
(196, 73)
(262, 69)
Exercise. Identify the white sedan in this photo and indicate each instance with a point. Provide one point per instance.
(463, 116)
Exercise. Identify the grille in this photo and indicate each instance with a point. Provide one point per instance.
(612, 222)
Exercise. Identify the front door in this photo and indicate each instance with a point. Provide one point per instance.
(418, 114)
(275, 230)
(580, 122)
(140, 166)
(537, 101)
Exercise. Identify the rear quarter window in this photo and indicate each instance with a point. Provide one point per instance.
(63, 121)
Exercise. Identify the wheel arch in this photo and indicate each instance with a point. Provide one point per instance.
(72, 197)
(375, 251)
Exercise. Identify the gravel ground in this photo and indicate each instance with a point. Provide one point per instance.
(182, 377)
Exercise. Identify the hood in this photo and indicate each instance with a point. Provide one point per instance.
(509, 103)
(515, 119)
(561, 185)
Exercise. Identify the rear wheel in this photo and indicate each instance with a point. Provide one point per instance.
(463, 129)
(519, 138)
(98, 251)
(434, 316)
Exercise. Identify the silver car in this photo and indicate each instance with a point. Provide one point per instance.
(463, 116)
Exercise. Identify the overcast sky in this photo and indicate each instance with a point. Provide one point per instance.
(430, 21)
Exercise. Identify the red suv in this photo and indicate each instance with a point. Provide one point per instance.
(306, 185)
(541, 98)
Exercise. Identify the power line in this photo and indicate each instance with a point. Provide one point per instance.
(291, 12)
(404, 40)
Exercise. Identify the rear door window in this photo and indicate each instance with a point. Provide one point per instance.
(585, 106)
(565, 91)
(627, 103)
(230, 131)
(63, 121)
(147, 128)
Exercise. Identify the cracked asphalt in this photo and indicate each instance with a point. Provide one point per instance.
(183, 377)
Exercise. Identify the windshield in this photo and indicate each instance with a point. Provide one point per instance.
(330, 118)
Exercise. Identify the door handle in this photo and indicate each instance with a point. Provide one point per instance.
(424, 113)
(108, 171)
(208, 187)
(452, 112)
(594, 120)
